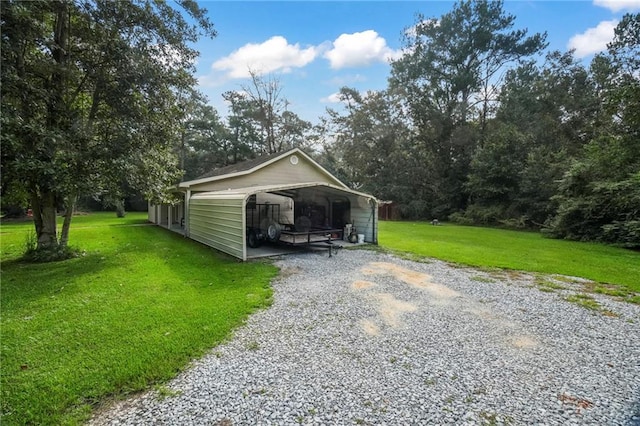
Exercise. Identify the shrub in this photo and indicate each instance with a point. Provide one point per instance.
(624, 234)
(460, 218)
(52, 253)
(479, 215)
(30, 242)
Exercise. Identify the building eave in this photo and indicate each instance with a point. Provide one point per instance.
(298, 151)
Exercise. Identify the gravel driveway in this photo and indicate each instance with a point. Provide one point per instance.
(369, 338)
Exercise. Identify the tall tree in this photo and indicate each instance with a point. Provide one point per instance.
(599, 197)
(245, 139)
(260, 111)
(455, 61)
(292, 131)
(265, 95)
(207, 143)
(494, 178)
(446, 77)
(368, 144)
(549, 113)
(89, 94)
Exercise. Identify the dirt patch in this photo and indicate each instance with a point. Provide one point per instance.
(523, 342)
(288, 272)
(370, 327)
(413, 278)
(510, 329)
(391, 308)
(483, 313)
(362, 285)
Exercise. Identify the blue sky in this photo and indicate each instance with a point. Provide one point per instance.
(314, 48)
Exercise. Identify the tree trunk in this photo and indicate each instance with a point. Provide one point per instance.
(44, 199)
(120, 208)
(44, 218)
(36, 209)
(70, 205)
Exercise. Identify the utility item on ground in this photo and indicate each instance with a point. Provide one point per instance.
(262, 223)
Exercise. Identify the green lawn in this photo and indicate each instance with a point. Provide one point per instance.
(142, 302)
(132, 312)
(525, 251)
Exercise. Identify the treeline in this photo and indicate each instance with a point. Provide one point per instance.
(258, 122)
(89, 91)
(476, 127)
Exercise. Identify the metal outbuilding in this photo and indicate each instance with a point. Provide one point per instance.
(288, 192)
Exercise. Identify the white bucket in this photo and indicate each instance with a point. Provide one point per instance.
(360, 238)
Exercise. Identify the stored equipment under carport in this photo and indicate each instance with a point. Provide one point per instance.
(262, 223)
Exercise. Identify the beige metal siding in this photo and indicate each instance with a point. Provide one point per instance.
(218, 219)
(151, 213)
(364, 218)
(278, 173)
(218, 223)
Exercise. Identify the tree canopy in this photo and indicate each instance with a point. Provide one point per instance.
(89, 99)
(474, 127)
(476, 124)
(447, 82)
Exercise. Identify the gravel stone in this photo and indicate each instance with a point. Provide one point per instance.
(369, 338)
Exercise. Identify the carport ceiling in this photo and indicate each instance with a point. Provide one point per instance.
(312, 192)
(298, 192)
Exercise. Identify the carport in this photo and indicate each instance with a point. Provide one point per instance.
(226, 219)
(279, 198)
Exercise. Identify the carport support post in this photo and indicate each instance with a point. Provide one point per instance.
(374, 213)
(187, 196)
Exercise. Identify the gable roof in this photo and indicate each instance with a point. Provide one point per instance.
(250, 166)
(240, 167)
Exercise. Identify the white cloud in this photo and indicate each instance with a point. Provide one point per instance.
(359, 49)
(618, 5)
(593, 40)
(275, 54)
(333, 98)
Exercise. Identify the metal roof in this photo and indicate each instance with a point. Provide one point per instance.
(250, 166)
(239, 167)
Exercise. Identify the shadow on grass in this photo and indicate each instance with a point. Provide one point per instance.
(24, 282)
(135, 310)
(135, 222)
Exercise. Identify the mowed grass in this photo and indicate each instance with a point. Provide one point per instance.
(524, 251)
(129, 314)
